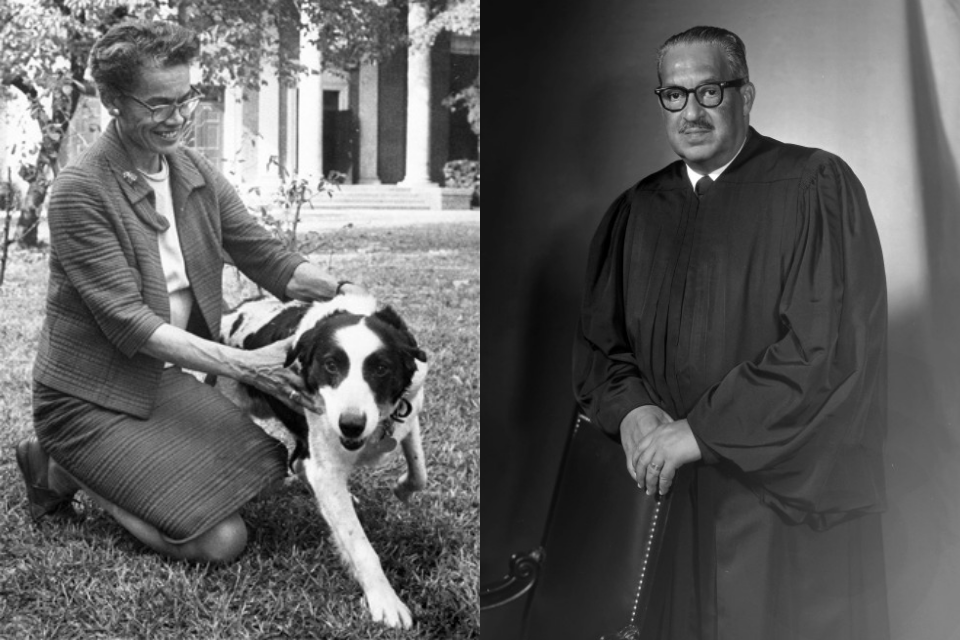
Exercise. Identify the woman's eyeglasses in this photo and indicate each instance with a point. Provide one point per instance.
(161, 112)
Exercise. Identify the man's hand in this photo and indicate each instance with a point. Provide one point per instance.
(662, 452)
(636, 426)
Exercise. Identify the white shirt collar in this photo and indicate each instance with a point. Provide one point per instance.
(694, 176)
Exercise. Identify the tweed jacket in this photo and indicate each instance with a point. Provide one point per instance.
(107, 292)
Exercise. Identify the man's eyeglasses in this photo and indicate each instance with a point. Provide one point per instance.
(161, 112)
(709, 94)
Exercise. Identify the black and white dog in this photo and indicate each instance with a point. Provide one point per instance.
(365, 372)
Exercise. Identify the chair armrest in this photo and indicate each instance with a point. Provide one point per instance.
(524, 570)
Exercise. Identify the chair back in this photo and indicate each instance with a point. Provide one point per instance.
(600, 547)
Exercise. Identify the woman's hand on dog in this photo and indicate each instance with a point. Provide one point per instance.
(266, 369)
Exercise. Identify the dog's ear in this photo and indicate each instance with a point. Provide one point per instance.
(409, 343)
(392, 318)
(416, 381)
(414, 358)
(301, 355)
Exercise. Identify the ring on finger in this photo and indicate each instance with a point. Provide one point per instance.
(294, 395)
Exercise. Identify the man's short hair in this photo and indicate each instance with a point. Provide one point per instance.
(730, 44)
(120, 55)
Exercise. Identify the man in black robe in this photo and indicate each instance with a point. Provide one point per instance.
(734, 342)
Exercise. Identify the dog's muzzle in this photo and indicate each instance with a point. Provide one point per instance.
(352, 426)
(351, 444)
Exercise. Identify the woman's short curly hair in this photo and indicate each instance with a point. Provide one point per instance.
(120, 55)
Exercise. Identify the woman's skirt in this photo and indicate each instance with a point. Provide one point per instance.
(195, 461)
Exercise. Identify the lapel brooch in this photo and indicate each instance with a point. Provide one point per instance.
(130, 177)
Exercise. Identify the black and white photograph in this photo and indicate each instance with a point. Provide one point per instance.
(240, 332)
(722, 361)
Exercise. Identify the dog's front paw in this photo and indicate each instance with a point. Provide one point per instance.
(386, 607)
(406, 487)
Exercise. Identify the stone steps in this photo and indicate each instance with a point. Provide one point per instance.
(379, 196)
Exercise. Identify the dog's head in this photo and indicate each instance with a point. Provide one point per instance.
(360, 366)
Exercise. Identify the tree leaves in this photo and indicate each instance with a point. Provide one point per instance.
(458, 16)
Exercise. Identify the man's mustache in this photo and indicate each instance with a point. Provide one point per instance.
(698, 124)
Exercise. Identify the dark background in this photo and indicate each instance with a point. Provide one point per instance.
(572, 122)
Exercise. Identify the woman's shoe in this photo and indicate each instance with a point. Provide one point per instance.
(42, 500)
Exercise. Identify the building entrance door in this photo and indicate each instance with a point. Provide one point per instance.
(339, 136)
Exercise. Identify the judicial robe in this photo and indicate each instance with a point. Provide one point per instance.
(758, 313)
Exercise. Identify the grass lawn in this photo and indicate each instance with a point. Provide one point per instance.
(88, 578)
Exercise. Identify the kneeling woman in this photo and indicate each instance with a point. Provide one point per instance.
(139, 226)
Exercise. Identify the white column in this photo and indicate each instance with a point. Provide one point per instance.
(417, 172)
(367, 113)
(310, 112)
(269, 126)
(233, 132)
(290, 128)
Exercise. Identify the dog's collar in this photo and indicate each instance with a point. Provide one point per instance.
(384, 434)
(401, 411)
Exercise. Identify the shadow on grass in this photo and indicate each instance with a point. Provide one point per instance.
(289, 523)
(420, 554)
